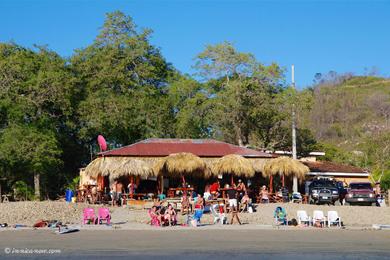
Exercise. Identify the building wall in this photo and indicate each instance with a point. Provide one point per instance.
(349, 179)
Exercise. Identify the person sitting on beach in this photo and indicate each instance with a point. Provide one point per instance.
(170, 215)
(185, 204)
(155, 216)
(214, 189)
(264, 194)
(199, 204)
(245, 202)
(280, 216)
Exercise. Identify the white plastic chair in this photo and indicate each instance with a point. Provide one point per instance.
(302, 217)
(318, 216)
(333, 218)
(218, 217)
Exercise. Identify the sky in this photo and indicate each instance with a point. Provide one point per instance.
(315, 36)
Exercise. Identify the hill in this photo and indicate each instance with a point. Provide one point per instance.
(351, 111)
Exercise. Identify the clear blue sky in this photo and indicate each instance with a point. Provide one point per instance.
(317, 36)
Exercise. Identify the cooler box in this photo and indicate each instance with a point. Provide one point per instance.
(68, 195)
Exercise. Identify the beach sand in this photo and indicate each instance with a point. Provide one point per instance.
(28, 213)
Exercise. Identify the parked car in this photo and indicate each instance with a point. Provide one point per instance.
(323, 190)
(360, 193)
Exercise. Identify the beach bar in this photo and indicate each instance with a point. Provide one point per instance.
(172, 163)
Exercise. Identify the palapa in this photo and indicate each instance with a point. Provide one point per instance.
(285, 166)
(233, 164)
(181, 164)
(99, 166)
(131, 167)
(116, 167)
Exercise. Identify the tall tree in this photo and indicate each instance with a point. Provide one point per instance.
(243, 88)
(37, 90)
(34, 152)
(124, 79)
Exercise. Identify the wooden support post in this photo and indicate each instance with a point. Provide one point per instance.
(271, 184)
(131, 191)
(162, 184)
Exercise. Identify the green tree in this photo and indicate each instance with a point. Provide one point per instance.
(190, 103)
(124, 80)
(38, 90)
(243, 92)
(34, 152)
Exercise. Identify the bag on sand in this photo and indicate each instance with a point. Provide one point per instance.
(250, 209)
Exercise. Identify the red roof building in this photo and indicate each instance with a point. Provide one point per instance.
(342, 172)
(201, 147)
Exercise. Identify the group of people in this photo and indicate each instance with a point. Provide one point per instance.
(162, 215)
(117, 190)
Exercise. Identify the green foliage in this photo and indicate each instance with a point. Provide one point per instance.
(385, 181)
(242, 92)
(73, 184)
(29, 150)
(123, 79)
(22, 191)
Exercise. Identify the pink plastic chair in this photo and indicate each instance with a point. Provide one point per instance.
(89, 215)
(104, 214)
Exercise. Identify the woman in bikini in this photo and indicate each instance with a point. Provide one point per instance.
(170, 215)
(199, 202)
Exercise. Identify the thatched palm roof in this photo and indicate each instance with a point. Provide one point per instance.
(128, 167)
(117, 167)
(179, 164)
(285, 166)
(234, 164)
(99, 166)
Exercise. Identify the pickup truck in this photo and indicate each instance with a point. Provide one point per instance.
(323, 190)
(360, 193)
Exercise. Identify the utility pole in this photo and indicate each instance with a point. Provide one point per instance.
(294, 134)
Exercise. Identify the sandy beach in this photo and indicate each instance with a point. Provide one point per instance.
(201, 244)
(130, 237)
(28, 213)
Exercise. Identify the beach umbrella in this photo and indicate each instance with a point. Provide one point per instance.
(235, 165)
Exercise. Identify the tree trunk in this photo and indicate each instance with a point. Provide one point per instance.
(240, 141)
(36, 186)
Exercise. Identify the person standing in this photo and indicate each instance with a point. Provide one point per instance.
(214, 189)
(241, 189)
(264, 194)
(119, 191)
(232, 197)
(113, 193)
(378, 195)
